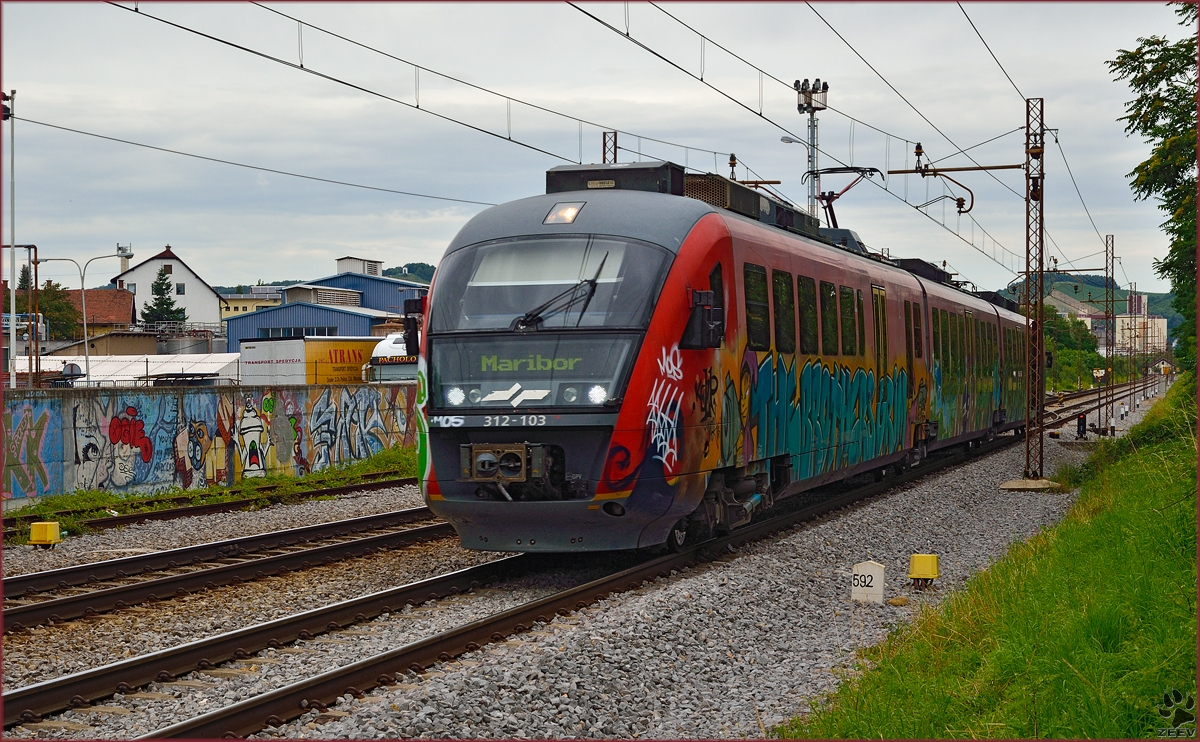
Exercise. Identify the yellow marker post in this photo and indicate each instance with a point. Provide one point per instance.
(923, 569)
(44, 534)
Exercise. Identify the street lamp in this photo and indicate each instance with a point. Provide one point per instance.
(123, 251)
(810, 99)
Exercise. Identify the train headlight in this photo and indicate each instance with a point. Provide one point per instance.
(570, 394)
(597, 394)
(455, 396)
(474, 395)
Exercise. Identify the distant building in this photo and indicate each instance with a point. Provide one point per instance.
(351, 303)
(116, 343)
(1140, 333)
(260, 297)
(190, 291)
(1068, 305)
(366, 267)
(107, 309)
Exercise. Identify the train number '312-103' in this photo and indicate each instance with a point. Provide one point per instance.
(504, 421)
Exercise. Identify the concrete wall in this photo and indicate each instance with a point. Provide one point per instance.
(147, 439)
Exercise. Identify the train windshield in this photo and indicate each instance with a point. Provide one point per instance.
(548, 283)
(502, 373)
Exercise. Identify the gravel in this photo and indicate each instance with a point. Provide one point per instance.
(53, 650)
(159, 535)
(726, 649)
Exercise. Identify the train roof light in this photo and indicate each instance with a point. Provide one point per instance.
(564, 213)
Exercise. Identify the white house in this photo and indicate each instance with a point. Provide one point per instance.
(190, 291)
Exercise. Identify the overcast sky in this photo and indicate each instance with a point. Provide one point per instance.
(110, 71)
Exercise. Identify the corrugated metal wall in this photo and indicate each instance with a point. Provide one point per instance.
(387, 295)
(294, 315)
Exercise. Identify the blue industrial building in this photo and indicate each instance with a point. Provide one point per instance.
(348, 304)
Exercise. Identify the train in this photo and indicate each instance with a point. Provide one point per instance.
(645, 357)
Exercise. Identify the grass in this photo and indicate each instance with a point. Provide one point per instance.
(285, 488)
(1077, 632)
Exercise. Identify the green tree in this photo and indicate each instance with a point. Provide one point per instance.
(163, 308)
(1162, 74)
(422, 272)
(63, 321)
(23, 279)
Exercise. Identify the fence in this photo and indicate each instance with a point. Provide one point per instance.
(148, 439)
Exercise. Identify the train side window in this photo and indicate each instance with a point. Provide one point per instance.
(916, 320)
(977, 348)
(785, 311)
(956, 350)
(938, 358)
(944, 321)
(908, 335)
(862, 325)
(758, 317)
(829, 319)
(849, 331)
(968, 345)
(715, 285)
(964, 337)
(879, 307)
(808, 314)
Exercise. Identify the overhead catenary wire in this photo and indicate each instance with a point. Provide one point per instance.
(417, 69)
(784, 129)
(483, 89)
(705, 39)
(1077, 191)
(989, 48)
(339, 81)
(959, 150)
(906, 100)
(253, 167)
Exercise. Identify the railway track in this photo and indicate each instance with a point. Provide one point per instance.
(374, 481)
(1069, 406)
(90, 589)
(31, 703)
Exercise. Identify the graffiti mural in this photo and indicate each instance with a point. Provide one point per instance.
(32, 440)
(145, 440)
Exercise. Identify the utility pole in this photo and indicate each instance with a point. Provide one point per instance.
(610, 148)
(1034, 294)
(811, 99)
(1110, 333)
(9, 110)
(1035, 266)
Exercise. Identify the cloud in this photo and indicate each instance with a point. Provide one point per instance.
(102, 69)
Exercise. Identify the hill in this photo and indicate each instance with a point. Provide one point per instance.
(1159, 304)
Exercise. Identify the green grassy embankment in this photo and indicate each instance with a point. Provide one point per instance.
(1077, 632)
(285, 488)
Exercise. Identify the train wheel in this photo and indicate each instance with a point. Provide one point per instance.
(677, 536)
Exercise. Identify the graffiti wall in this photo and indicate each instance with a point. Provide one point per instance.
(145, 440)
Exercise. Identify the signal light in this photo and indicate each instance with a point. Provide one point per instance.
(7, 112)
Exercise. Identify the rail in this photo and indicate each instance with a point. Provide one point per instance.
(276, 707)
(368, 481)
(254, 555)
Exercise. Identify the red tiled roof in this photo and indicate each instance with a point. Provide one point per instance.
(106, 306)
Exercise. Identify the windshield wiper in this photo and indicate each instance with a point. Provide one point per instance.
(560, 303)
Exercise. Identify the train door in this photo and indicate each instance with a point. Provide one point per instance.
(879, 311)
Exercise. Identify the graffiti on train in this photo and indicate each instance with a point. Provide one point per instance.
(146, 440)
(827, 417)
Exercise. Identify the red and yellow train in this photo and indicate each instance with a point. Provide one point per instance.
(616, 365)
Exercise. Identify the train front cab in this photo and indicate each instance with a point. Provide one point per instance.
(540, 344)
